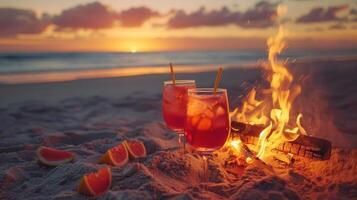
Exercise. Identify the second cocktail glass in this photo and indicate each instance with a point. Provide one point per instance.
(174, 106)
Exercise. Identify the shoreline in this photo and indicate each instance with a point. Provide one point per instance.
(72, 75)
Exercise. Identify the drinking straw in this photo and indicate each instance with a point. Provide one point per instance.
(218, 79)
(172, 74)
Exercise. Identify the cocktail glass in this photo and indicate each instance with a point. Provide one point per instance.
(174, 106)
(207, 124)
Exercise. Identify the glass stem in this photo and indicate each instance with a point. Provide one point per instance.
(182, 141)
(205, 168)
(205, 173)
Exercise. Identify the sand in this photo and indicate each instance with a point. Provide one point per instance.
(89, 116)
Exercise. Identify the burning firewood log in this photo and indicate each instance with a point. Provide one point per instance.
(305, 146)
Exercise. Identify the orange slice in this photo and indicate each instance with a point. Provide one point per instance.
(135, 148)
(53, 157)
(116, 156)
(95, 184)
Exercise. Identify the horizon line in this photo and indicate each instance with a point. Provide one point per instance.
(179, 50)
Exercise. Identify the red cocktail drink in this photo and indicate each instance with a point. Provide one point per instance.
(207, 124)
(175, 103)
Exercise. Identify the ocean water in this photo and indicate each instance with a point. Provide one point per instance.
(11, 63)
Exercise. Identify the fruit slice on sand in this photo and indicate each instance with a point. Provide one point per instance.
(95, 184)
(136, 148)
(116, 156)
(53, 157)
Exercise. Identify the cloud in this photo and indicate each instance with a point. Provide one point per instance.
(98, 16)
(261, 16)
(134, 17)
(20, 21)
(89, 16)
(202, 18)
(320, 14)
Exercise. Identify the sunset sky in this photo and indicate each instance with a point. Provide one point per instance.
(165, 25)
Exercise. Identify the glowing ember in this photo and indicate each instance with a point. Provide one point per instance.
(274, 111)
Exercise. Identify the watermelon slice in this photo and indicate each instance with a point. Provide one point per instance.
(135, 148)
(53, 157)
(116, 156)
(95, 184)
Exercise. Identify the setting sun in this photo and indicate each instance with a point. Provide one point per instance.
(133, 50)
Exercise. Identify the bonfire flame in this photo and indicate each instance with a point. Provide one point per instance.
(274, 111)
